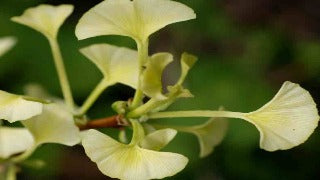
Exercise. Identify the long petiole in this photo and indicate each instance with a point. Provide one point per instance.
(64, 83)
(103, 84)
(143, 57)
(198, 113)
(11, 173)
(151, 104)
(24, 155)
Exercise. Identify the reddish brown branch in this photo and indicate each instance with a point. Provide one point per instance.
(108, 122)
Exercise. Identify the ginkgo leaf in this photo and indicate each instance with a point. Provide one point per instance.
(15, 108)
(179, 91)
(14, 140)
(152, 82)
(152, 75)
(37, 91)
(210, 134)
(137, 19)
(187, 62)
(287, 120)
(44, 18)
(54, 125)
(6, 43)
(117, 64)
(130, 162)
(158, 139)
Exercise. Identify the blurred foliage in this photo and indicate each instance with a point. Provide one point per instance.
(246, 50)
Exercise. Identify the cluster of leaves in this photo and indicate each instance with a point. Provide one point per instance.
(284, 122)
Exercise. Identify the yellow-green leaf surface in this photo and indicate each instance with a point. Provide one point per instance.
(54, 125)
(44, 18)
(209, 134)
(117, 64)
(158, 139)
(152, 75)
(14, 140)
(287, 120)
(6, 43)
(37, 91)
(137, 19)
(15, 108)
(187, 62)
(130, 162)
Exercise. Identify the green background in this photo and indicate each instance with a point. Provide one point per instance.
(246, 50)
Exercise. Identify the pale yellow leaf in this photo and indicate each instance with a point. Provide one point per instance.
(15, 108)
(44, 18)
(14, 140)
(137, 19)
(287, 120)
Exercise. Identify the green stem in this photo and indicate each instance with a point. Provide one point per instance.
(137, 99)
(11, 173)
(187, 129)
(64, 83)
(24, 155)
(153, 104)
(143, 57)
(103, 84)
(138, 132)
(35, 99)
(199, 113)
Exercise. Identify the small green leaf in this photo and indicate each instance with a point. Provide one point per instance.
(151, 79)
(210, 134)
(120, 107)
(187, 62)
(179, 92)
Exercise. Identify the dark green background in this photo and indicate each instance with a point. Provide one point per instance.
(246, 50)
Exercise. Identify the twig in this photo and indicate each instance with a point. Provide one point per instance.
(108, 122)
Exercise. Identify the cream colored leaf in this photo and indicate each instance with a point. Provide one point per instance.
(54, 125)
(287, 120)
(137, 19)
(15, 108)
(152, 76)
(44, 18)
(117, 64)
(158, 139)
(130, 162)
(6, 43)
(14, 140)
